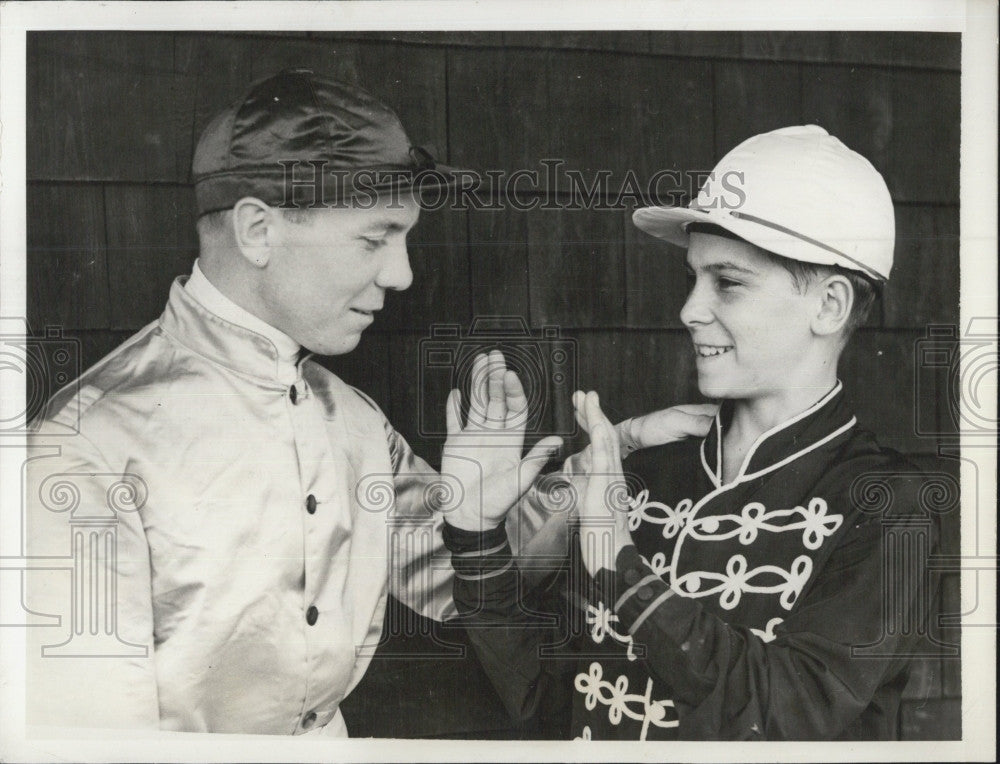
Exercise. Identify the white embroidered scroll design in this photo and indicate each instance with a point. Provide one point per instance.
(813, 520)
(620, 702)
(739, 579)
(671, 518)
(657, 563)
(600, 618)
(767, 633)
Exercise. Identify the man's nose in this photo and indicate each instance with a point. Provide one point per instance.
(396, 273)
(696, 309)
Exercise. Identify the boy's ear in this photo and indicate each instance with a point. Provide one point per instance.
(836, 298)
(253, 223)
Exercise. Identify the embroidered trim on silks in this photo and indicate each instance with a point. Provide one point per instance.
(784, 426)
(767, 633)
(816, 524)
(738, 579)
(601, 618)
(671, 518)
(620, 702)
(657, 563)
(715, 478)
(741, 475)
(777, 465)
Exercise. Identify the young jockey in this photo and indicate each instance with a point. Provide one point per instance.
(732, 597)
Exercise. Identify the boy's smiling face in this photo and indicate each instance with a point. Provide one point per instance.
(749, 324)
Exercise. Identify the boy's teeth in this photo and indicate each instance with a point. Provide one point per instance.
(710, 350)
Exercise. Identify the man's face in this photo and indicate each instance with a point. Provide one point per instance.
(749, 324)
(327, 275)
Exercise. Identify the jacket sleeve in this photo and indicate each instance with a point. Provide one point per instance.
(816, 675)
(420, 575)
(511, 598)
(91, 574)
(507, 636)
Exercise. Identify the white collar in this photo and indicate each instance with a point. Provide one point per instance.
(210, 298)
(742, 476)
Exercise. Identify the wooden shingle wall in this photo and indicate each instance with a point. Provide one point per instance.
(113, 119)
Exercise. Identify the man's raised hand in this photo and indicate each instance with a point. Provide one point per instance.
(484, 456)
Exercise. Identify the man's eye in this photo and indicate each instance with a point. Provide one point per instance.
(725, 283)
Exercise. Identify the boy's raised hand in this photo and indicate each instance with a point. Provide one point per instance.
(602, 508)
(483, 458)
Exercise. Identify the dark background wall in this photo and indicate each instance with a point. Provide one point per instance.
(113, 119)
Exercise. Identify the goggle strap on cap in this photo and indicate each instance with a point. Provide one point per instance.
(777, 227)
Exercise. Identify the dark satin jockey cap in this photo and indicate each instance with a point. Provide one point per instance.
(270, 143)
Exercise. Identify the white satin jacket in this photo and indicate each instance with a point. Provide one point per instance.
(221, 543)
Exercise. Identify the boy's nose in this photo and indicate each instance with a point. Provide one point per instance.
(695, 310)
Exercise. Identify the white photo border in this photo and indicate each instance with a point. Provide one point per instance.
(976, 20)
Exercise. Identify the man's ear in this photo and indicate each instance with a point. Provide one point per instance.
(836, 298)
(253, 223)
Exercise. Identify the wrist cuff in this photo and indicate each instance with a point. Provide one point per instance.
(478, 556)
(462, 541)
(639, 590)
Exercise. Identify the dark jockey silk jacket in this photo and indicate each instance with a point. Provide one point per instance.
(782, 605)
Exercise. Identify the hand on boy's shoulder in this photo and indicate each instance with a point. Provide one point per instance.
(672, 424)
(675, 423)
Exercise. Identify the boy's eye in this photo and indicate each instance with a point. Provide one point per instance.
(373, 243)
